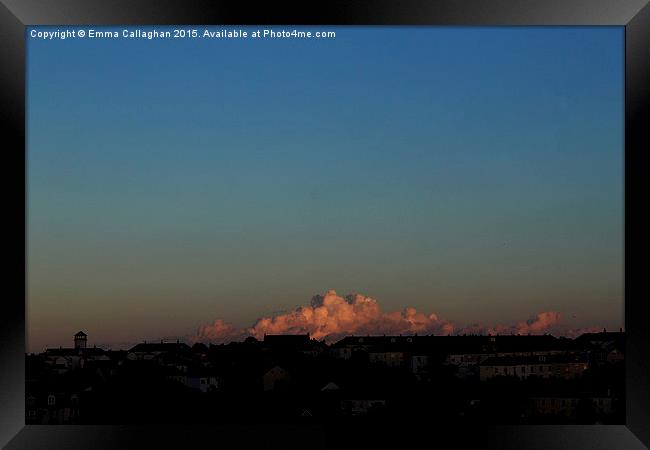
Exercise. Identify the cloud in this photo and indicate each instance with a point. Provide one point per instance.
(219, 332)
(539, 324)
(331, 317)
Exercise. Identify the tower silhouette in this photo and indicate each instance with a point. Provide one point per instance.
(80, 340)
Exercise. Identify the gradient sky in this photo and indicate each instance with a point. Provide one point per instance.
(472, 172)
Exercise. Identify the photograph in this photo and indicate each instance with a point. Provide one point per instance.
(330, 224)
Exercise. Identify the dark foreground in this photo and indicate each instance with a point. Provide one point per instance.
(450, 379)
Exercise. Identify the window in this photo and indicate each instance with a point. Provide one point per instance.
(51, 400)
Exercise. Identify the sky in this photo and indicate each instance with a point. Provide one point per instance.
(474, 173)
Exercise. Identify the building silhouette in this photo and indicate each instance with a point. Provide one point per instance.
(80, 340)
(497, 379)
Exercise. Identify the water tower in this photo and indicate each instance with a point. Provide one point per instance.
(80, 340)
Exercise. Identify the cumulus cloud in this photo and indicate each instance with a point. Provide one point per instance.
(539, 324)
(219, 332)
(331, 317)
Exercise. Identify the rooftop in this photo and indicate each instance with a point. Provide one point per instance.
(530, 360)
(286, 339)
(145, 347)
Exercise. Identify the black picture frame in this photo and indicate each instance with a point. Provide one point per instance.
(15, 15)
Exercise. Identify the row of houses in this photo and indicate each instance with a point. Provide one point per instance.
(487, 356)
(286, 363)
(567, 366)
(483, 356)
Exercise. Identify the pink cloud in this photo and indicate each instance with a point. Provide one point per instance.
(331, 317)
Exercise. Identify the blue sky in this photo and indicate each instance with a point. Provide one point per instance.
(472, 172)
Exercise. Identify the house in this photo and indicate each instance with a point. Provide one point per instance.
(58, 402)
(569, 405)
(54, 407)
(358, 407)
(63, 359)
(604, 347)
(604, 337)
(465, 351)
(198, 377)
(532, 345)
(614, 356)
(329, 387)
(387, 358)
(150, 351)
(295, 344)
(556, 405)
(200, 350)
(286, 341)
(80, 340)
(340, 352)
(275, 377)
(203, 381)
(565, 366)
(390, 351)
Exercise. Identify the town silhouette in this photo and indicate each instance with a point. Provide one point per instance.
(494, 379)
